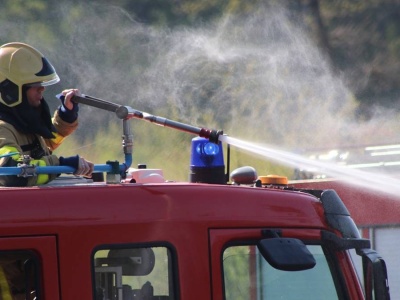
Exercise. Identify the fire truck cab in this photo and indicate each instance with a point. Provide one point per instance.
(144, 237)
(182, 241)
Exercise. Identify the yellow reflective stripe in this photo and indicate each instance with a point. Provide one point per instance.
(41, 178)
(9, 149)
(4, 287)
(58, 139)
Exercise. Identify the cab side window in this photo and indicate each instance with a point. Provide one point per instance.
(247, 275)
(133, 273)
(19, 275)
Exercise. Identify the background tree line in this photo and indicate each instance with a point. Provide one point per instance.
(361, 36)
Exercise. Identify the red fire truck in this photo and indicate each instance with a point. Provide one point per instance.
(137, 236)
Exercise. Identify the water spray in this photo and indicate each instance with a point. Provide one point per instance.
(378, 182)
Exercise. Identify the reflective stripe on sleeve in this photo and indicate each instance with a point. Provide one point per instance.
(41, 178)
(10, 150)
(58, 139)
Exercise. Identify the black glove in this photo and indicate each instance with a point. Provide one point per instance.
(67, 115)
(71, 161)
(82, 167)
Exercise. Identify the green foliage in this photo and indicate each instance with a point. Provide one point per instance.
(237, 272)
(103, 146)
(24, 10)
(365, 40)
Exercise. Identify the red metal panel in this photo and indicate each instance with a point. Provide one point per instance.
(230, 206)
(86, 217)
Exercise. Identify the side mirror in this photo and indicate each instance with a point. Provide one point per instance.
(375, 275)
(286, 254)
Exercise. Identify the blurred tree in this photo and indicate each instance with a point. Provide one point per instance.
(364, 36)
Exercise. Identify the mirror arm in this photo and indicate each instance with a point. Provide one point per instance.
(332, 240)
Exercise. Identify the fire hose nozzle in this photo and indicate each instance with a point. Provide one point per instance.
(211, 134)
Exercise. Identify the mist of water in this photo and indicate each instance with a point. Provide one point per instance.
(258, 76)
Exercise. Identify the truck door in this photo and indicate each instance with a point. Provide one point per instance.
(28, 268)
(239, 271)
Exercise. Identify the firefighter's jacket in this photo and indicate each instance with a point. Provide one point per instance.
(40, 149)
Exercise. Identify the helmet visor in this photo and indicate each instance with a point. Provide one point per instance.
(54, 80)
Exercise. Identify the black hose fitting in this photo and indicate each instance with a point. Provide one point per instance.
(211, 135)
(214, 136)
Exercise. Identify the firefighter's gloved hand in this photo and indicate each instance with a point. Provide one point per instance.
(82, 166)
(85, 168)
(68, 109)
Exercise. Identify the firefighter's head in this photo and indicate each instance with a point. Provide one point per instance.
(22, 66)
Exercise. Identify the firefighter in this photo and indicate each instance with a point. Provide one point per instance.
(18, 276)
(28, 133)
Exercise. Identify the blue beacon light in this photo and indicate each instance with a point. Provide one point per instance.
(207, 162)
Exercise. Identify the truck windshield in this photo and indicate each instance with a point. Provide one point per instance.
(247, 275)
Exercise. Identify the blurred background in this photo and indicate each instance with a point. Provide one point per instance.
(299, 75)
